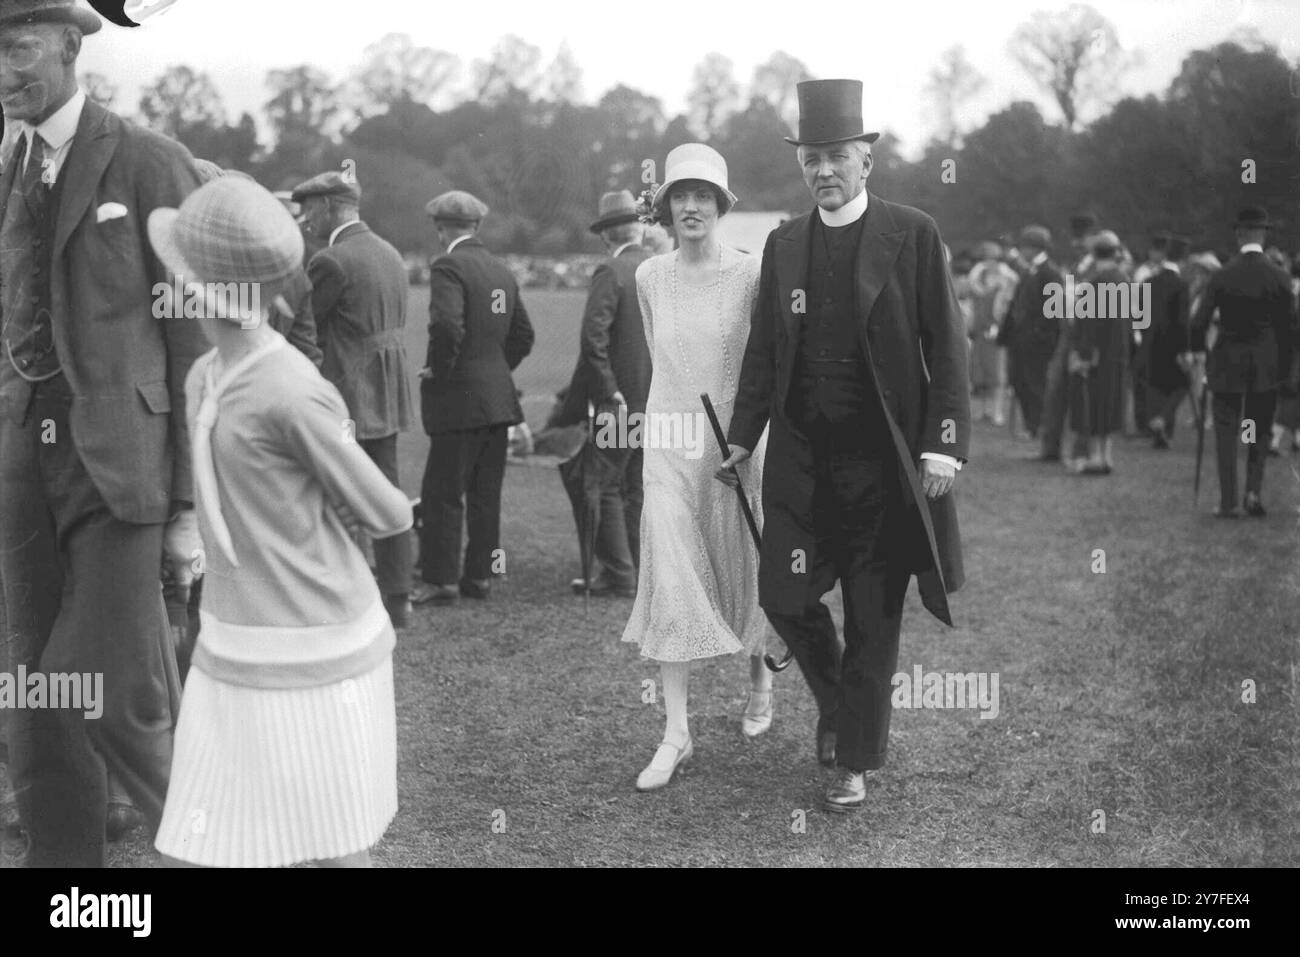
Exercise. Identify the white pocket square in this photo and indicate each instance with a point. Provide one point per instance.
(109, 211)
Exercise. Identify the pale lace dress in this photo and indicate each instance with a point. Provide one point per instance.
(697, 591)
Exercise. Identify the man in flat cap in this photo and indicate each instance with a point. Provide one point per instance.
(479, 332)
(1035, 345)
(359, 291)
(1251, 358)
(613, 374)
(857, 361)
(95, 479)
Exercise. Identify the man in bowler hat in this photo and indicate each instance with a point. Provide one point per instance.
(857, 361)
(95, 481)
(613, 374)
(359, 289)
(1251, 358)
(479, 332)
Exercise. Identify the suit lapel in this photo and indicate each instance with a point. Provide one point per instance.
(877, 251)
(92, 149)
(7, 183)
(792, 252)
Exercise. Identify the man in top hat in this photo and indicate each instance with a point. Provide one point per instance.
(1035, 347)
(95, 478)
(857, 361)
(359, 291)
(613, 375)
(1082, 228)
(1164, 342)
(479, 332)
(1250, 360)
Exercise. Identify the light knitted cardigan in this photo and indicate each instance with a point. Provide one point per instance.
(300, 608)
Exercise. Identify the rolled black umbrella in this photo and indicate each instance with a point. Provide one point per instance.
(772, 663)
(1200, 443)
(582, 483)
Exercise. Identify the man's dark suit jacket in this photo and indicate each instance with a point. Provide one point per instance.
(359, 292)
(914, 339)
(1166, 338)
(614, 356)
(479, 332)
(125, 368)
(1027, 331)
(298, 325)
(1253, 350)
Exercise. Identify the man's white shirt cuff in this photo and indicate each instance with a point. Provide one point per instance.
(940, 457)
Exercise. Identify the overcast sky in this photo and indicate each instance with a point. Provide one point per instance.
(655, 46)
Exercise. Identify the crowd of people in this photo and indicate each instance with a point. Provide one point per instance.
(1179, 327)
(249, 447)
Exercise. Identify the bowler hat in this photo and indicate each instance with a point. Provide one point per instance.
(457, 207)
(230, 230)
(614, 209)
(1160, 239)
(1252, 217)
(48, 11)
(830, 111)
(332, 184)
(695, 161)
(1081, 224)
(1177, 248)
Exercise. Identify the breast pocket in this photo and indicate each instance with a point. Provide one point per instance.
(157, 398)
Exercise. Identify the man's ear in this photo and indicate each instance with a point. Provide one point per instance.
(867, 164)
(71, 44)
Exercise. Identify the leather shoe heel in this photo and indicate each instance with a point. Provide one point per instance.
(847, 792)
(664, 765)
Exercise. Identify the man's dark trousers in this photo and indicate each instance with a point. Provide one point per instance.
(83, 595)
(394, 560)
(462, 486)
(1228, 416)
(618, 531)
(1056, 405)
(857, 515)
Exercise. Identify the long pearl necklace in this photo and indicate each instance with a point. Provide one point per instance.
(679, 315)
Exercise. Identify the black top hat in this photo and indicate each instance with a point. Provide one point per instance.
(48, 11)
(1252, 217)
(1160, 239)
(830, 111)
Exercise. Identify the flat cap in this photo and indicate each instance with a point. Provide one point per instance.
(457, 206)
(1037, 236)
(333, 184)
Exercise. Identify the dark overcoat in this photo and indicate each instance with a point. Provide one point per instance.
(912, 334)
(1253, 350)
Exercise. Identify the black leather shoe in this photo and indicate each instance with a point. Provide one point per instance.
(847, 792)
(1222, 512)
(424, 594)
(475, 588)
(122, 820)
(826, 748)
(1253, 506)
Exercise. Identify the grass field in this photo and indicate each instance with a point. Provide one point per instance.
(522, 726)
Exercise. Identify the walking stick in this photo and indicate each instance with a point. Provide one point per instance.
(588, 526)
(1200, 443)
(771, 663)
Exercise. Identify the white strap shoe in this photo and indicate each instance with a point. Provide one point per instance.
(758, 714)
(663, 765)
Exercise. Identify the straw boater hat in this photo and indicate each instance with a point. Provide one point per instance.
(48, 11)
(694, 161)
(830, 111)
(614, 209)
(228, 230)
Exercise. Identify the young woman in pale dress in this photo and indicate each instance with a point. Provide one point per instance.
(697, 594)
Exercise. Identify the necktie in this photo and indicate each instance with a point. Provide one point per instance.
(35, 191)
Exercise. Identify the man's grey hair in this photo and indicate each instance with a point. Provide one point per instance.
(862, 146)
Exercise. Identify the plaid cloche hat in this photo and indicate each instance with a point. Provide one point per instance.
(228, 230)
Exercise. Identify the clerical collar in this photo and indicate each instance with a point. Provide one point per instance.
(847, 214)
(1252, 248)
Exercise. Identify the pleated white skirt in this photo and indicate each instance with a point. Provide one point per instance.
(269, 778)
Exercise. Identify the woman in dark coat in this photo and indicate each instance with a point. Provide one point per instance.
(1098, 357)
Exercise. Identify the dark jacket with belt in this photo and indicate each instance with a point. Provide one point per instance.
(1253, 350)
(126, 369)
(614, 355)
(479, 332)
(911, 332)
(359, 294)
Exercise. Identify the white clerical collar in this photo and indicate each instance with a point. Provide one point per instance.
(618, 252)
(457, 241)
(1039, 259)
(338, 229)
(847, 214)
(60, 126)
(1252, 248)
